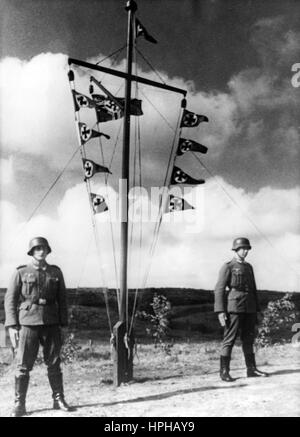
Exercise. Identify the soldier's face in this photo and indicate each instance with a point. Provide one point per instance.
(40, 253)
(242, 252)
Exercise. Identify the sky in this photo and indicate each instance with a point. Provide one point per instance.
(235, 59)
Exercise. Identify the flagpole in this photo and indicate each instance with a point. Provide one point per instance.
(123, 363)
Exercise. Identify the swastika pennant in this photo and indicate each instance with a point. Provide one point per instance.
(98, 203)
(180, 177)
(86, 133)
(185, 145)
(91, 167)
(176, 203)
(82, 101)
(140, 30)
(190, 119)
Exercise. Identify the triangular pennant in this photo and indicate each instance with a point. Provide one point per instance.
(185, 145)
(176, 203)
(91, 167)
(190, 119)
(180, 177)
(98, 203)
(82, 101)
(140, 30)
(86, 133)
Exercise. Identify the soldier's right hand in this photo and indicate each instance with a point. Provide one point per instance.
(222, 319)
(14, 336)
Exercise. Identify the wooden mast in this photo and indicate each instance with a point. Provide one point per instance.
(123, 360)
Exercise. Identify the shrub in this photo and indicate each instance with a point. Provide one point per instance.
(70, 349)
(277, 321)
(159, 325)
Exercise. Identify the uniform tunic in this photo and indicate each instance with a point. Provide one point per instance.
(36, 296)
(242, 296)
(240, 303)
(36, 301)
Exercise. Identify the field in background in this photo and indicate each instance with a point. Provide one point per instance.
(191, 315)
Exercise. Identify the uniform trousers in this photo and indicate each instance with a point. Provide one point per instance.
(30, 338)
(239, 322)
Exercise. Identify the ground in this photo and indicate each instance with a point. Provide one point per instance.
(183, 384)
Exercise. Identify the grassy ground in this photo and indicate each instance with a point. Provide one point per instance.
(184, 383)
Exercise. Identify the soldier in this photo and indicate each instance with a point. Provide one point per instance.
(237, 310)
(35, 309)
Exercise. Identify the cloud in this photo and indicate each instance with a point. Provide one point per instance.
(35, 98)
(277, 40)
(189, 251)
(253, 138)
(6, 171)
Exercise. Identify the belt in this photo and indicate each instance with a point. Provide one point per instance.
(43, 302)
(240, 291)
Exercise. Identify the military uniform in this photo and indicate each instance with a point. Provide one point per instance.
(236, 297)
(35, 296)
(240, 304)
(35, 303)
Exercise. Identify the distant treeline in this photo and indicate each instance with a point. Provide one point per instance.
(184, 301)
(176, 296)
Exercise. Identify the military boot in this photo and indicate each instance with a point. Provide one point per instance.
(252, 371)
(21, 386)
(56, 383)
(224, 369)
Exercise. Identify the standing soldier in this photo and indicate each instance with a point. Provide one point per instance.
(237, 310)
(35, 309)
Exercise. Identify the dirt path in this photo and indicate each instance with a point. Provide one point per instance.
(187, 394)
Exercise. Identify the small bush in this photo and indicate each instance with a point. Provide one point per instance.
(277, 321)
(70, 349)
(159, 322)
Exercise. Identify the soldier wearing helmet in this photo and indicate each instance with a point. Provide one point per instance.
(237, 308)
(35, 310)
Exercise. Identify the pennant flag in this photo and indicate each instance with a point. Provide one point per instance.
(190, 119)
(141, 31)
(98, 202)
(82, 101)
(179, 177)
(86, 133)
(108, 109)
(91, 167)
(189, 145)
(176, 203)
(135, 106)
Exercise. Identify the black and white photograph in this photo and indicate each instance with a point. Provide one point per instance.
(150, 211)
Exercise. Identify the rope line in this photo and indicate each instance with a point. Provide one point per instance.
(158, 222)
(52, 185)
(161, 115)
(112, 54)
(96, 236)
(151, 66)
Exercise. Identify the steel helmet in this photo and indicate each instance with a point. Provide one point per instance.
(241, 242)
(38, 241)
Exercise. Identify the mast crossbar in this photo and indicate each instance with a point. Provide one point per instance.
(124, 76)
